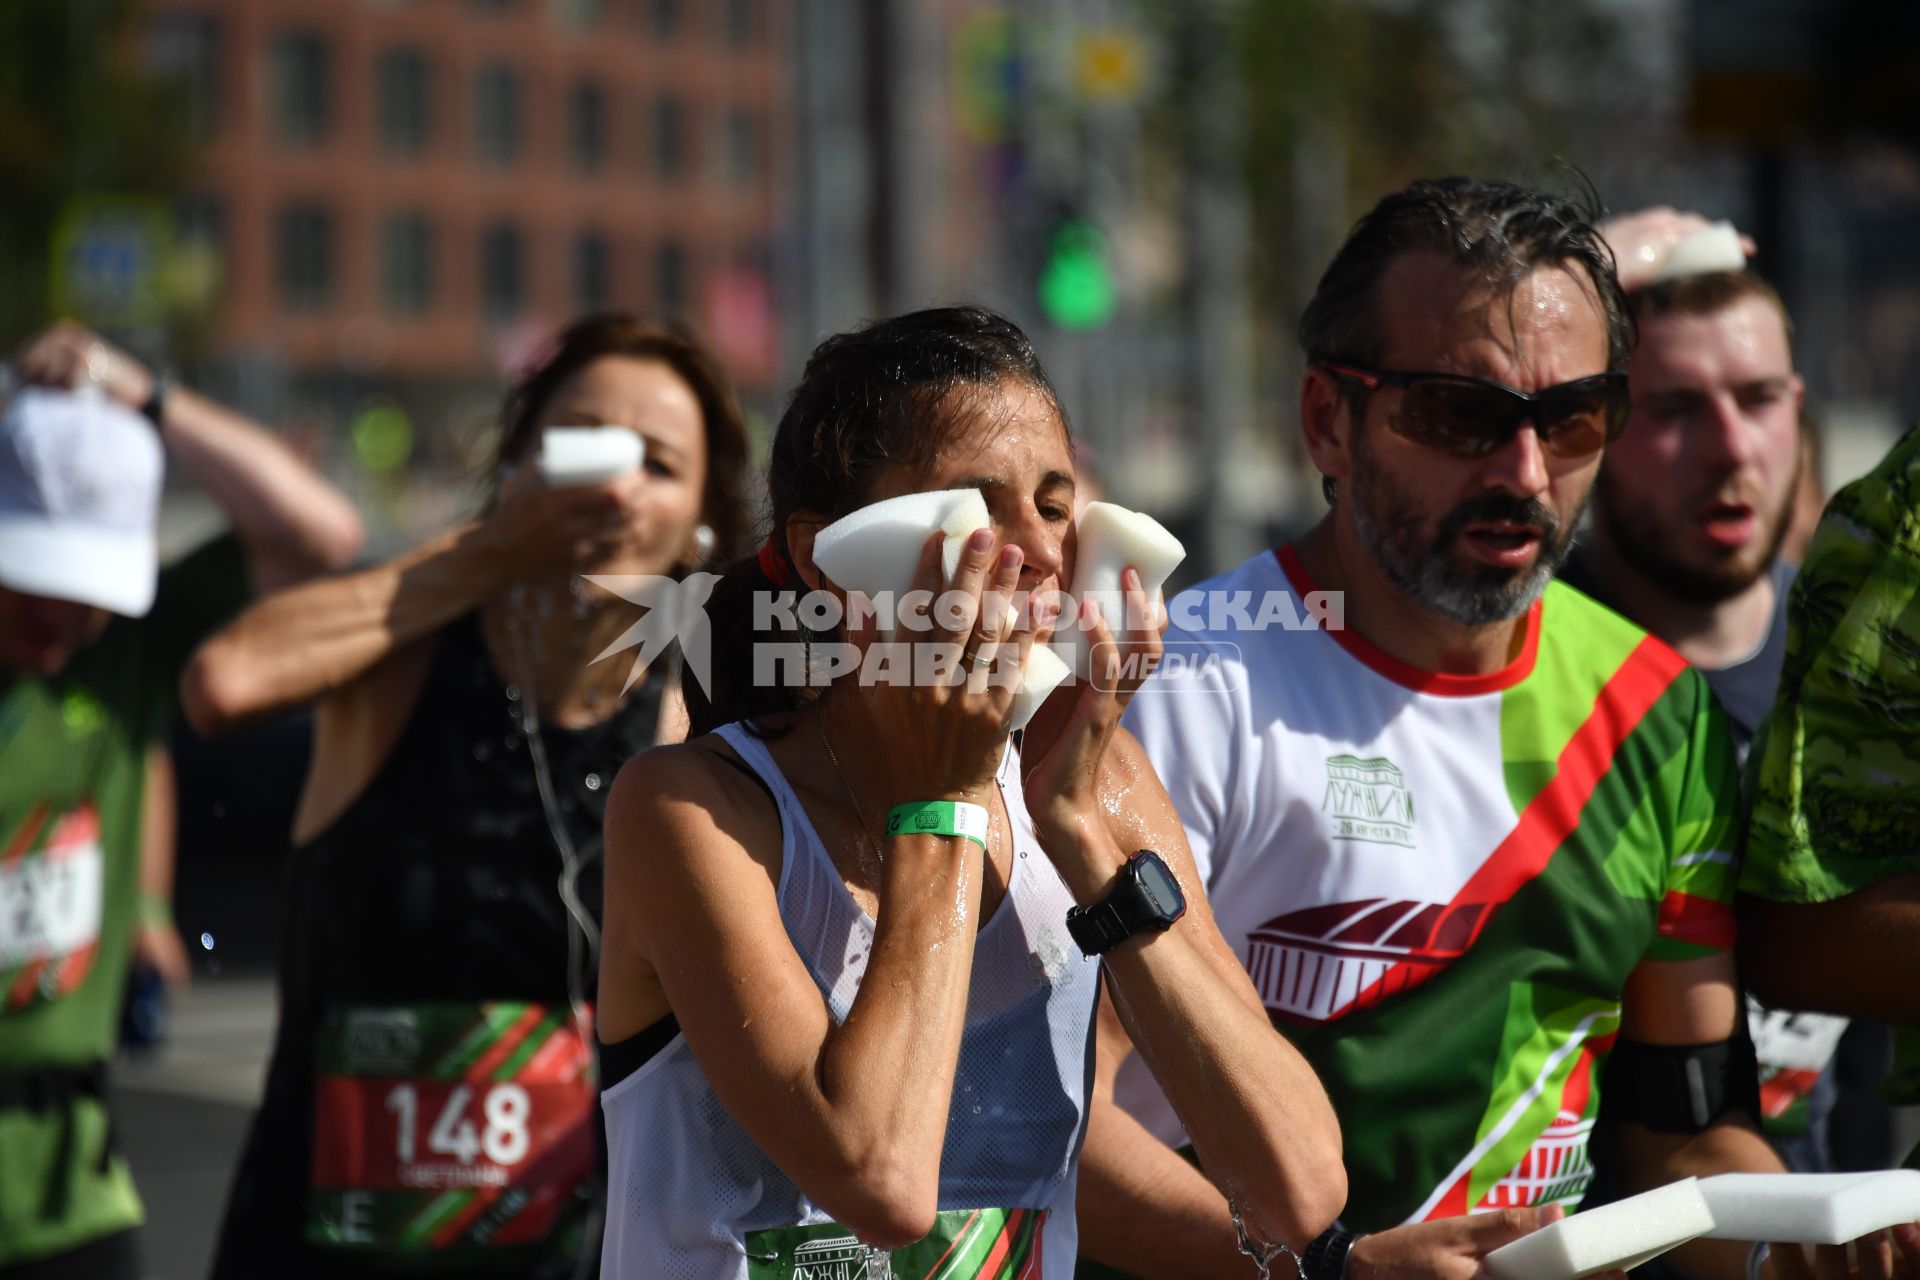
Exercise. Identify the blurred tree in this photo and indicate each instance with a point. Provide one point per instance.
(1346, 100)
(78, 117)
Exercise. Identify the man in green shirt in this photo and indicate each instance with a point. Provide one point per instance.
(92, 640)
(1831, 877)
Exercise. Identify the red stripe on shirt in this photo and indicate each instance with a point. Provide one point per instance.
(1705, 922)
(1553, 813)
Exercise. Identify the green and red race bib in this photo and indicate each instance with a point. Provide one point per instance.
(965, 1244)
(52, 889)
(451, 1133)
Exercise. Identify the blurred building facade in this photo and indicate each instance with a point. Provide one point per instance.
(404, 196)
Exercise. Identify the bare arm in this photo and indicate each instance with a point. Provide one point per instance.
(292, 522)
(313, 640)
(1258, 1117)
(688, 878)
(1257, 1114)
(1687, 1002)
(855, 1113)
(1854, 955)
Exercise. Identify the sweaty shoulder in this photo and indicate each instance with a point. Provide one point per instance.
(674, 801)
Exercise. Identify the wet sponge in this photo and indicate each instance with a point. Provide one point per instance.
(588, 455)
(1810, 1208)
(874, 550)
(1110, 539)
(1620, 1235)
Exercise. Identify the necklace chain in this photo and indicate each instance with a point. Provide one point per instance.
(866, 828)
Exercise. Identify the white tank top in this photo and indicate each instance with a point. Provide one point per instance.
(691, 1197)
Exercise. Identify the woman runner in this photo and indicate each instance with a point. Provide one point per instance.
(840, 1038)
(430, 1107)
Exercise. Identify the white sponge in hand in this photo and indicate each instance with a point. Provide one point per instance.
(874, 550)
(1621, 1236)
(1044, 673)
(588, 455)
(1713, 248)
(1110, 539)
(1810, 1208)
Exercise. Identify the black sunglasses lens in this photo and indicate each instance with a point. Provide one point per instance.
(1462, 418)
(1578, 420)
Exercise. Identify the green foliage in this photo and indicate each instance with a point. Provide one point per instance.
(1346, 100)
(78, 115)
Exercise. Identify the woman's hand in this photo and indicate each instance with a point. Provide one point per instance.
(535, 530)
(1063, 782)
(936, 698)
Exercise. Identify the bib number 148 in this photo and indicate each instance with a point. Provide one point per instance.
(505, 1108)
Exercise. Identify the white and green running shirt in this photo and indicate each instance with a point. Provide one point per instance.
(1439, 884)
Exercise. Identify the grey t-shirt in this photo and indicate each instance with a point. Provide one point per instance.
(1746, 688)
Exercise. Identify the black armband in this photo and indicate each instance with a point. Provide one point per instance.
(1326, 1257)
(1683, 1088)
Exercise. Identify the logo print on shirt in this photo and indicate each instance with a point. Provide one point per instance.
(1368, 800)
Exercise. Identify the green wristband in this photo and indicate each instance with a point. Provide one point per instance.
(939, 818)
(153, 911)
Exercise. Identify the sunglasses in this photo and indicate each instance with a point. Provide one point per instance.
(1471, 417)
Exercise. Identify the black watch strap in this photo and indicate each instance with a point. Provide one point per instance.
(1099, 928)
(1326, 1257)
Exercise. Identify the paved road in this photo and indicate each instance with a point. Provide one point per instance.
(182, 1116)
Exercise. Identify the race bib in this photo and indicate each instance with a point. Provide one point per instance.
(448, 1133)
(52, 886)
(1792, 1049)
(965, 1244)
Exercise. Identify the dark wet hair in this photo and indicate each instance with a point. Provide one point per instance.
(1503, 231)
(723, 505)
(885, 394)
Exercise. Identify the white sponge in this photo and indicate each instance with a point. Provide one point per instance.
(874, 550)
(1044, 671)
(1110, 539)
(1714, 248)
(1810, 1208)
(1620, 1235)
(588, 455)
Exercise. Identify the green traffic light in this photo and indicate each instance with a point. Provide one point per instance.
(1076, 286)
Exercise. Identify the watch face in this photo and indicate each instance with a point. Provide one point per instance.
(1160, 886)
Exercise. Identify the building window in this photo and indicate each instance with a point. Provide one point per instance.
(403, 102)
(302, 101)
(496, 115)
(406, 264)
(743, 24)
(185, 49)
(592, 272)
(303, 253)
(663, 18)
(502, 272)
(670, 279)
(587, 126)
(742, 148)
(669, 134)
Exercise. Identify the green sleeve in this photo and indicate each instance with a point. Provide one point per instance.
(1696, 910)
(1836, 799)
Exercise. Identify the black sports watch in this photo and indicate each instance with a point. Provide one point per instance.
(1147, 897)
